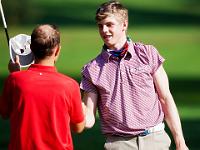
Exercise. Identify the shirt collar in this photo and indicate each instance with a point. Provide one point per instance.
(107, 56)
(39, 67)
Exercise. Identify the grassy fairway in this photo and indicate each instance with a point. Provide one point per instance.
(79, 45)
(179, 45)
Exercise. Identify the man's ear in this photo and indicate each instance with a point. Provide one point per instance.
(125, 25)
(57, 50)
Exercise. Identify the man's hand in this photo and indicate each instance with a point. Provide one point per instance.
(84, 108)
(14, 66)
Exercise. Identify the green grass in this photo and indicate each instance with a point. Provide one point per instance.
(178, 44)
(79, 45)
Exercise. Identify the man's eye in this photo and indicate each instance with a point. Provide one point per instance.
(109, 25)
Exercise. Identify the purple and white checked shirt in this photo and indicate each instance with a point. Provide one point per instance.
(127, 99)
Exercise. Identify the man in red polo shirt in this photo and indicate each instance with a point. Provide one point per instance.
(42, 104)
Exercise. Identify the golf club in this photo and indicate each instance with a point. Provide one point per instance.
(4, 22)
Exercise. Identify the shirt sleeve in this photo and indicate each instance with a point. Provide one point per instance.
(86, 81)
(156, 60)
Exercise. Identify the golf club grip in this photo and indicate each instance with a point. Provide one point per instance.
(4, 23)
(2, 15)
(7, 36)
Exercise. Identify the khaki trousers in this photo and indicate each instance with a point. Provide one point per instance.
(154, 141)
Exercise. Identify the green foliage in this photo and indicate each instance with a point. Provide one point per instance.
(81, 12)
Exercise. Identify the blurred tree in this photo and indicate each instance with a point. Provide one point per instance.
(16, 11)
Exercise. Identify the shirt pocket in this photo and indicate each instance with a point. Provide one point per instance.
(139, 75)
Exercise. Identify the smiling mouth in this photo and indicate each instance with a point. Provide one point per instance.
(107, 37)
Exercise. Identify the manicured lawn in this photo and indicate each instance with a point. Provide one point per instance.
(179, 46)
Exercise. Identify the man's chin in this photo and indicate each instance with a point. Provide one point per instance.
(108, 43)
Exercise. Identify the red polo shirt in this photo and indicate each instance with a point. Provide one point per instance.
(41, 103)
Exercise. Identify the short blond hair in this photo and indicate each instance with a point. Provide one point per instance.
(111, 8)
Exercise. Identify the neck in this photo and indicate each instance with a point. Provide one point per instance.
(119, 45)
(45, 62)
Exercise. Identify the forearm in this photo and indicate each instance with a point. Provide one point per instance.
(90, 103)
(171, 113)
(173, 120)
(78, 127)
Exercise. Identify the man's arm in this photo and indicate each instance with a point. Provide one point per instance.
(90, 101)
(78, 127)
(169, 107)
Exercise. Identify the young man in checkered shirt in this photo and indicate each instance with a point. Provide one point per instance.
(129, 86)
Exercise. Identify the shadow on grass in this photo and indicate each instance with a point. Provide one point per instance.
(182, 89)
(92, 139)
(186, 91)
(191, 133)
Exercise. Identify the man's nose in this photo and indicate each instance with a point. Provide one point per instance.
(104, 28)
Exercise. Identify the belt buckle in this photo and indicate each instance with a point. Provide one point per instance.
(146, 132)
